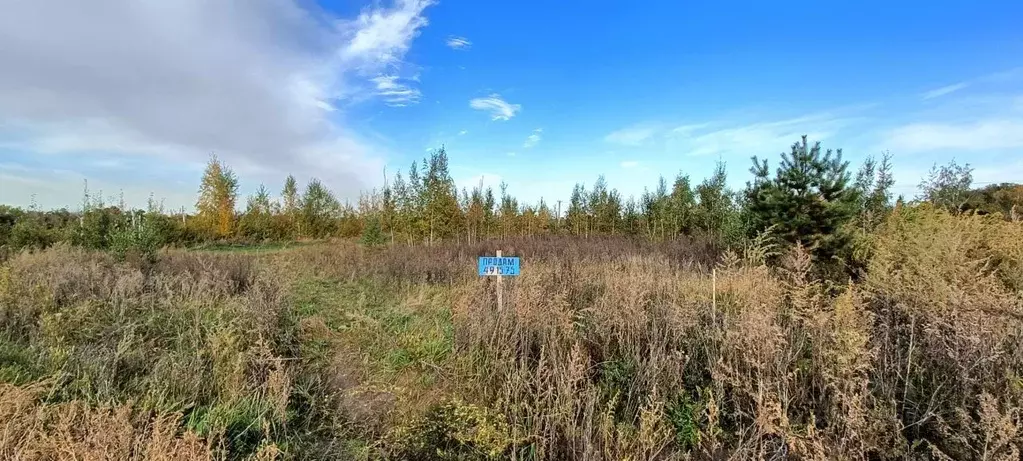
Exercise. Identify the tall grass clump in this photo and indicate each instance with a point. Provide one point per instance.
(635, 358)
(193, 344)
(947, 292)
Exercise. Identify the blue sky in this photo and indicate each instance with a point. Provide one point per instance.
(535, 94)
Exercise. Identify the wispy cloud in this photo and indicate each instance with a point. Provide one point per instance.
(938, 92)
(986, 134)
(463, 132)
(629, 164)
(633, 136)
(458, 43)
(1004, 76)
(996, 78)
(394, 92)
(379, 38)
(753, 138)
(533, 139)
(498, 108)
(512, 154)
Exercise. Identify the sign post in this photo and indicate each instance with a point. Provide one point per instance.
(500, 288)
(499, 267)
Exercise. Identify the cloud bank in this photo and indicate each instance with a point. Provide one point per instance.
(259, 82)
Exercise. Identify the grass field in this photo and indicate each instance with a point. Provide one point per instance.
(606, 349)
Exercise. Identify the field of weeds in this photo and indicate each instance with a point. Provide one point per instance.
(605, 349)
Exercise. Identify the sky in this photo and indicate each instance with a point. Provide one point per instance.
(134, 97)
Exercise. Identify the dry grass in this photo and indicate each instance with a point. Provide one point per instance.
(606, 349)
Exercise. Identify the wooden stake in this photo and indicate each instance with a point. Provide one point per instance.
(500, 288)
(714, 294)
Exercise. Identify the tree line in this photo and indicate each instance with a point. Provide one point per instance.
(811, 197)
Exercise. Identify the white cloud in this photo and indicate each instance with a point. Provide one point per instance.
(688, 129)
(533, 139)
(938, 92)
(498, 108)
(632, 136)
(463, 132)
(256, 82)
(459, 43)
(985, 134)
(379, 38)
(394, 92)
(512, 154)
(755, 138)
(629, 164)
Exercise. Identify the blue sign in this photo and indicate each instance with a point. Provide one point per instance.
(490, 265)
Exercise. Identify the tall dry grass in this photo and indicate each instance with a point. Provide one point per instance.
(193, 347)
(634, 359)
(605, 349)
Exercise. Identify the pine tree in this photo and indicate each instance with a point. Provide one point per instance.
(218, 194)
(372, 235)
(809, 200)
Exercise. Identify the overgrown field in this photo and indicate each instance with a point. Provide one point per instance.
(605, 349)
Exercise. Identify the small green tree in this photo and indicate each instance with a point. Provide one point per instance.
(135, 236)
(320, 211)
(290, 207)
(256, 223)
(715, 215)
(372, 234)
(808, 200)
(873, 189)
(948, 186)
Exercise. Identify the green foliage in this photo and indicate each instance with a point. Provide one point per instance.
(8, 217)
(1005, 198)
(454, 431)
(684, 416)
(441, 209)
(257, 222)
(320, 211)
(31, 232)
(808, 201)
(372, 235)
(810, 198)
(136, 236)
(873, 186)
(947, 187)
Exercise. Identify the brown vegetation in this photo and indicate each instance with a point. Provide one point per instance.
(605, 349)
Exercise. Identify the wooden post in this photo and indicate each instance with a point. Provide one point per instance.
(500, 288)
(714, 294)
